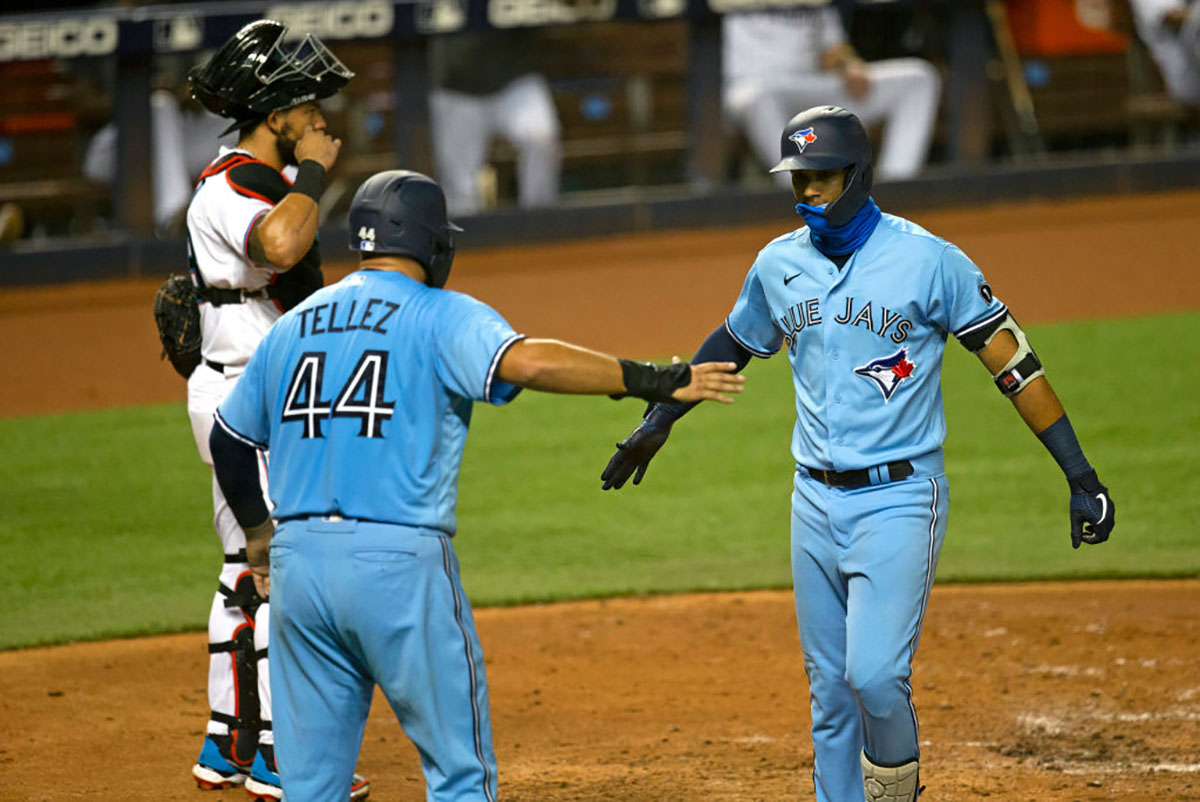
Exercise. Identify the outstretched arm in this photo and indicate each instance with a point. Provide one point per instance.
(635, 451)
(1092, 509)
(553, 366)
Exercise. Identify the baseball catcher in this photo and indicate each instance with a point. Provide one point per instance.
(251, 231)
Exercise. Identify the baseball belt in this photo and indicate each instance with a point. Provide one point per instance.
(218, 296)
(861, 477)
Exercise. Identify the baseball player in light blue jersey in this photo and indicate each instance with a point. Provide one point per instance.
(863, 302)
(363, 394)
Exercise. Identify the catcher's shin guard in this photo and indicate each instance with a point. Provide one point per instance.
(243, 595)
(244, 723)
(890, 783)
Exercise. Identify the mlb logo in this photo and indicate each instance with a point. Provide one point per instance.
(803, 138)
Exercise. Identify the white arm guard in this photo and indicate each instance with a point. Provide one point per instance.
(1024, 366)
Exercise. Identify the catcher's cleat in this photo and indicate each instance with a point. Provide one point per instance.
(263, 783)
(213, 772)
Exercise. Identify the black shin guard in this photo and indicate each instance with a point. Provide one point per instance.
(244, 723)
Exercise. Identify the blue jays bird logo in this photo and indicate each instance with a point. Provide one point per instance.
(803, 138)
(888, 372)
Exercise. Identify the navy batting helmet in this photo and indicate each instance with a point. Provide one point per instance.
(400, 212)
(826, 138)
(253, 74)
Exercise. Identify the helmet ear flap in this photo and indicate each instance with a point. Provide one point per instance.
(437, 272)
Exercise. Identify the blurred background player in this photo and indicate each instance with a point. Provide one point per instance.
(863, 303)
(1171, 31)
(182, 138)
(251, 229)
(487, 84)
(775, 62)
(364, 577)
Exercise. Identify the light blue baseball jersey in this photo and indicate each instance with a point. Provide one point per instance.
(393, 367)
(865, 342)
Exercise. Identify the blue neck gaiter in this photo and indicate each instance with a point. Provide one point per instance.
(840, 240)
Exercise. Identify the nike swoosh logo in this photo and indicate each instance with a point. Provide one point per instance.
(789, 278)
(1103, 507)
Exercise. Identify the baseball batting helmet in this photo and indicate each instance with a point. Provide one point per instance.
(826, 138)
(404, 213)
(253, 74)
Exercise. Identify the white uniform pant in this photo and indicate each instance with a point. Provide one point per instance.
(206, 389)
(463, 126)
(903, 96)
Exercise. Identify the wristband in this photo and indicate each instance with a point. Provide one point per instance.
(1060, 440)
(653, 382)
(1085, 483)
(663, 415)
(310, 179)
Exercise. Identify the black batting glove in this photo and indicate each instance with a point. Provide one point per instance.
(634, 454)
(1093, 513)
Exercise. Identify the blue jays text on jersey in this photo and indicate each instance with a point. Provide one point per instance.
(808, 313)
(865, 342)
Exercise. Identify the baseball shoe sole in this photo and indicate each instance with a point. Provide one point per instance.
(360, 789)
(209, 779)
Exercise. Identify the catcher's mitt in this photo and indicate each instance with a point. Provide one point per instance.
(178, 319)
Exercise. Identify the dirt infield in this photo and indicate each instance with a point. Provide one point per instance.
(1083, 691)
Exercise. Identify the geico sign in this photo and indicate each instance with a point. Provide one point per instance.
(66, 38)
(348, 19)
(518, 13)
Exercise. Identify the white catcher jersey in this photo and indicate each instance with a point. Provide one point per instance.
(219, 219)
(865, 342)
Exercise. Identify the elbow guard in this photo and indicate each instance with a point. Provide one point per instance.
(1021, 369)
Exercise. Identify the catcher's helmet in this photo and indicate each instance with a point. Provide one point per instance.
(404, 213)
(254, 74)
(826, 138)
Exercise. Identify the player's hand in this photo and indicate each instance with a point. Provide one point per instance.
(262, 581)
(711, 381)
(318, 146)
(856, 78)
(1093, 513)
(258, 555)
(634, 454)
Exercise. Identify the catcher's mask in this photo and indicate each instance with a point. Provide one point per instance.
(254, 73)
(826, 138)
(404, 213)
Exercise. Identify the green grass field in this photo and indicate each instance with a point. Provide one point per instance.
(107, 531)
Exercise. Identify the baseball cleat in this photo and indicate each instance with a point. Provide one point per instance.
(263, 783)
(213, 772)
(360, 788)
